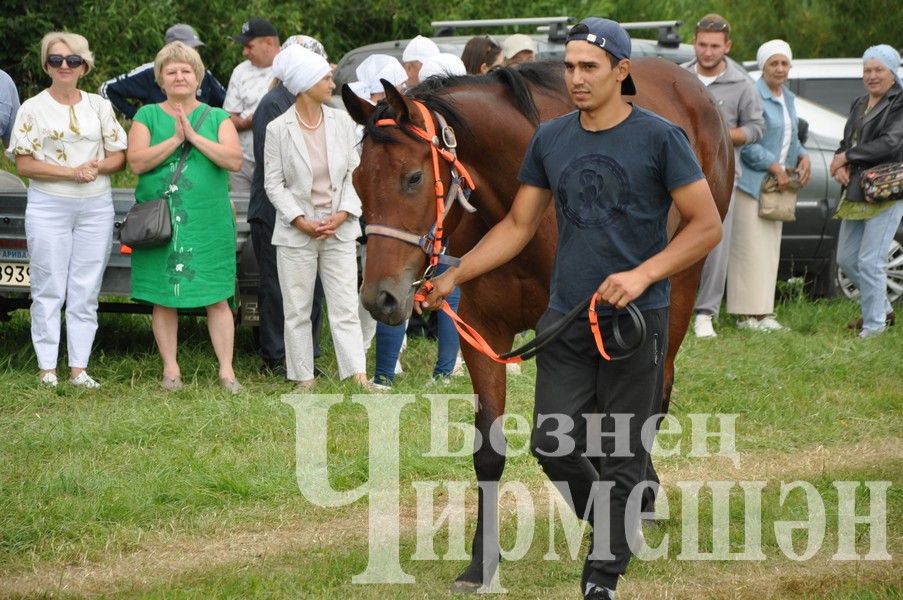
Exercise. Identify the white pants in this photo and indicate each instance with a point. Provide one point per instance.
(68, 248)
(336, 263)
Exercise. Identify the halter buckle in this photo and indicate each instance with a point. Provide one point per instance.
(448, 137)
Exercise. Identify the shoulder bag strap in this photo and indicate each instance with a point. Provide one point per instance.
(186, 148)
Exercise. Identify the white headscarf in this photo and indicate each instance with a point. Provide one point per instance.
(770, 48)
(420, 48)
(374, 68)
(444, 65)
(299, 69)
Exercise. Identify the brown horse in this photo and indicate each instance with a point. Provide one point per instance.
(494, 118)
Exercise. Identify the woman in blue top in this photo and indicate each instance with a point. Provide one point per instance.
(756, 242)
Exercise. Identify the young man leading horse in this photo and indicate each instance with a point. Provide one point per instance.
(614, 170)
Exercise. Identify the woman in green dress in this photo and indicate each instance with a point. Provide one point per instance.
(197, 267)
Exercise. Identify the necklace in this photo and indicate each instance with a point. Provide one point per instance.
(305, 124)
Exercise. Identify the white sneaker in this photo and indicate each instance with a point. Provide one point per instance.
(702, 326)
(379, 387)
(770, 324)
(458, 370)
(49, 379)
(84, 380)
(750, 323)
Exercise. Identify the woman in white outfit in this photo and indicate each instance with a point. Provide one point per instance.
(756, 242)
(310, 155)
(67, 142)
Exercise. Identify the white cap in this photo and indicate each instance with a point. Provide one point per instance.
(770, 48)
(374, 68)
(444, 65)
(420, 48)
(517, 42)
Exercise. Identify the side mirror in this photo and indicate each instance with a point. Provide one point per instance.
(802, 130)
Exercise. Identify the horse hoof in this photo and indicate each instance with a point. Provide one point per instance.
(466, 587)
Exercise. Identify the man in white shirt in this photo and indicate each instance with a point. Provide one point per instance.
(250, 80)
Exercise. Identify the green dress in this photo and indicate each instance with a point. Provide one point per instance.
(197, 267)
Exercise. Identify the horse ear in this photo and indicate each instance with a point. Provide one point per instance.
(358, 108)
(397, 102)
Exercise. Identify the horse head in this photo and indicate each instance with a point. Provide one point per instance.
(396, 181)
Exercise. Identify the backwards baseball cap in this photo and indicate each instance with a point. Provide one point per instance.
(609, 36)
(255, 28)
(517, 42)
(180, 32)
(420, 48)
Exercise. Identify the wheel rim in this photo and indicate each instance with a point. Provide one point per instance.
(894, 272)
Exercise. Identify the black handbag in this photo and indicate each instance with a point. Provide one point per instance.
(149, 224)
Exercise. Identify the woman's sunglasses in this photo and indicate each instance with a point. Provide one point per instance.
(73, 61)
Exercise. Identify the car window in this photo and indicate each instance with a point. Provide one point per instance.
(836, 94)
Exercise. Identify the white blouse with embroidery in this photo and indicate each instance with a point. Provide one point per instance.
(60, 134)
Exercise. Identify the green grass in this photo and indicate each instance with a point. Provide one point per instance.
(95, 477)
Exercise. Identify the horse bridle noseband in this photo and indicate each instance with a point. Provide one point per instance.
(433, 243)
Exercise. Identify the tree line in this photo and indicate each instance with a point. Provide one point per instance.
(126, 33)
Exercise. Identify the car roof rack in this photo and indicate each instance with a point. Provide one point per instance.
(667, 31)
(557, 27)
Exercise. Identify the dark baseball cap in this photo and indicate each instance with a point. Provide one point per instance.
(180, 32)
(608, 35)
(254, 28)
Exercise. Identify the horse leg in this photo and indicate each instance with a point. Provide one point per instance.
(683, 295)
(489, 462)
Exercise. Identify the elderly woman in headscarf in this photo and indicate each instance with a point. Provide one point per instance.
(756, 242)
(872, 136)
(309, 158)
(262, 221)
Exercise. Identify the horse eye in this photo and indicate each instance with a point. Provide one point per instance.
(415, 179)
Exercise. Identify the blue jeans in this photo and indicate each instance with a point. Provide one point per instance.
(862, 254)
(390, 337)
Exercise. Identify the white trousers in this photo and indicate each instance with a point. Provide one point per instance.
(68, 248)
(336, 263)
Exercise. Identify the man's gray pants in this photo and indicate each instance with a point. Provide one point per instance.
(714, 272)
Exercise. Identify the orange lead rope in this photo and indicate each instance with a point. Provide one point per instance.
(473, 337)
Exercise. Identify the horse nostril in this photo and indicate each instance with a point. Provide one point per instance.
(386, 302)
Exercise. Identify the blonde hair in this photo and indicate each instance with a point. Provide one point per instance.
(177, 52)
(77, 43)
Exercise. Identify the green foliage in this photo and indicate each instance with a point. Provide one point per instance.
(126, 33)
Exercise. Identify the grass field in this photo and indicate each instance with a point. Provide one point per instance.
(128, 492)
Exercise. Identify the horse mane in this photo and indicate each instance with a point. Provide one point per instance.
(515, 82)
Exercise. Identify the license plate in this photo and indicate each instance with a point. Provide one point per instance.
(15, 274)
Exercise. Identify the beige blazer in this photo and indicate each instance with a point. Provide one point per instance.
(288, 177)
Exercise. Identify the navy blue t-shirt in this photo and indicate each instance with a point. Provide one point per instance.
(612, 195)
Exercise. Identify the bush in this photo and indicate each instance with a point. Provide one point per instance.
(126, 33)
